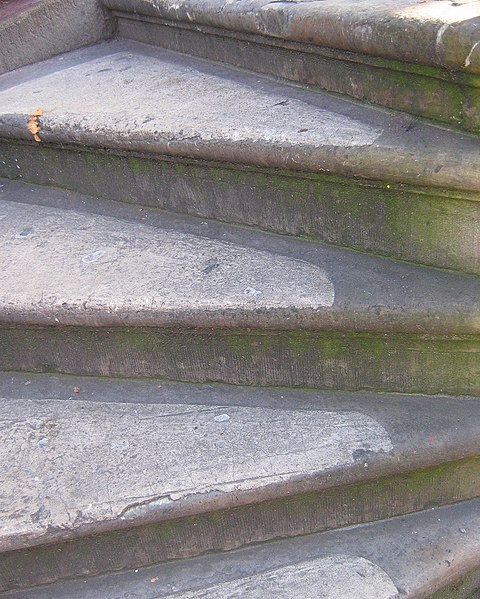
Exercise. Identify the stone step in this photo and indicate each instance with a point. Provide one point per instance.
(429, 555)
(120, 474)
(33, 30)
(419, 56)
(89, 286)
(152, 127)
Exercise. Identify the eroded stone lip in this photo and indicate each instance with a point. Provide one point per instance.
(276, 125)
(153, 458)
(333, 577)
(66, 260)
(439, 34)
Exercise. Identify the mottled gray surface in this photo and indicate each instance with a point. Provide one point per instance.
(74, 473)
(127, 96)
(93, 453)
(53, 259)
(68, 262)
(336, 577)
(433, 32)
(51, 27)
(420, 553)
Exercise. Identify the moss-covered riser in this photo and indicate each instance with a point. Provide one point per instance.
(427, 226)
(466, 587)
(326, 360)
(452, 98)
(305, 513)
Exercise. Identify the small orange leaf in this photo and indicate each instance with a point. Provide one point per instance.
(33, 125)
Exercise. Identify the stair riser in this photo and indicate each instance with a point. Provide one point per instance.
(422, 225)
(64, 26)
(229, 529)
(325, 360)
(424, 91)
(465, 587)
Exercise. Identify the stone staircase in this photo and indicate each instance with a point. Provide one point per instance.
(240, 314)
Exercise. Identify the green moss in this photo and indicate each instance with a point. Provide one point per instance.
(287, 516)
(315, 359)
(425, 225)
(139, 166)
(467, 586)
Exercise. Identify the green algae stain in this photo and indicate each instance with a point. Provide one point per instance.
(298, 358)
(422, 225)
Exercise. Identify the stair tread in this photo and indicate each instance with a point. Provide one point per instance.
(412, 557)
(127, 96)
(169, 450)
(440, 34)
(67, 261)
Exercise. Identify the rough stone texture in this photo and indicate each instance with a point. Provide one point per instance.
(63, 264)
(424, 226)
(50, 27)
(439, 94)
(405, 363)
(434, 555)
(436, 33)
(287, 159)
(338, 577)
(92, 294)
(158, 102)
(418, 57)
(76, 475)
(8, 8)
(168, 455)
(69, 261)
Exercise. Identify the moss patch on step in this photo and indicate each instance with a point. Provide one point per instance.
(313, 359)
(423, 225)
(131, 545)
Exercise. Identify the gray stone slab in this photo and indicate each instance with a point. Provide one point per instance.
(180, 300)
(336, 577)
(418, 556)
(63, 264)
(75, 474)
(432, 33)
(158, 102)
(104, 456)
(414, 57)
(51, 27)
(91, 263)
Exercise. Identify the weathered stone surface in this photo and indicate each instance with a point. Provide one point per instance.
(162, 471)
(418, 57)
(91, 294)
(158, 102)
(61, 265)
(62, 261)
(436, 33)
(433, 554)
(339, 577)
(288, 160)
(50, 27)
(75, 474)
